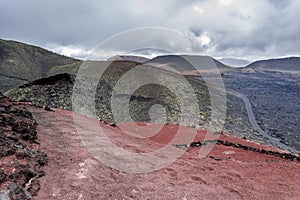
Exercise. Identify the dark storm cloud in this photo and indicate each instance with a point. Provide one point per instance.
(239, 28)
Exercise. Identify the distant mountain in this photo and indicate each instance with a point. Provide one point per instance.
(139, 59)
(180, 64)
(235, 62)
(22, 63)
(289, 64)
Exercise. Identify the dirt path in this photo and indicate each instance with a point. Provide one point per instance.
(73, 173)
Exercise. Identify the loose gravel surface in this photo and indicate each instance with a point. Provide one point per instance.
(226, 172)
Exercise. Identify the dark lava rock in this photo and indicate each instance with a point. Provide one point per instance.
(216, 158)
(287, 156)
(113, 125)
(48, 108)
(33, 186)
(21, 162)
(195, 144)
(2, 176)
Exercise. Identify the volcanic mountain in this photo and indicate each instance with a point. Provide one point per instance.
(185, 64)
(22, 63)
(139, 59)
(280, 64)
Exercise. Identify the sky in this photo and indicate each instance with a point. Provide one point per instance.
(223, 28)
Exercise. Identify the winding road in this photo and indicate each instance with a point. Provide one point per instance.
(255, 124)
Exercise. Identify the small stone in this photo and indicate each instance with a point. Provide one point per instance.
(113, 124)
(216, 158)
(48, 108)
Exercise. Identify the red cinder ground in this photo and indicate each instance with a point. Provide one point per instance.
(73, 173)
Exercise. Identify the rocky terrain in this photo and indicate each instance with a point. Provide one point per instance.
(274, 96)
(56, 92)
(21, 161)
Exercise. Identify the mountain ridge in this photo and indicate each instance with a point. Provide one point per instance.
(21, 63)
(286, 63)
(181, 63)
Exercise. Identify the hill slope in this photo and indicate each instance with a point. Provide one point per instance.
(57, 91)
(180, 64)
(289, 64)
(22, 63)
(139, 59)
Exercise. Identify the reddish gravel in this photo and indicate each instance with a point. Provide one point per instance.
(73, 173)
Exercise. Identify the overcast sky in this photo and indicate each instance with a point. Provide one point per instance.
(225, 28)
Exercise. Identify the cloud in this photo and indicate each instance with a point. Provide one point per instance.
(71, 51)
(225, 28)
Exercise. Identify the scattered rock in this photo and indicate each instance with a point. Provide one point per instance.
(4, 195)
(287, 156)
(48, 109)
(2, 176)
(228, 152)
(216, 158)
(195, 144)
(21, 162)
(33, 186)
(113, 124)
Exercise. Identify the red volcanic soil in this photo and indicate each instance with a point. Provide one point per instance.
(225, 173)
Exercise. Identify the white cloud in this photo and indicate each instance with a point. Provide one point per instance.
(70, 51)
(198, 9)
(234, 28)
(204, 39)
(225, 2)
